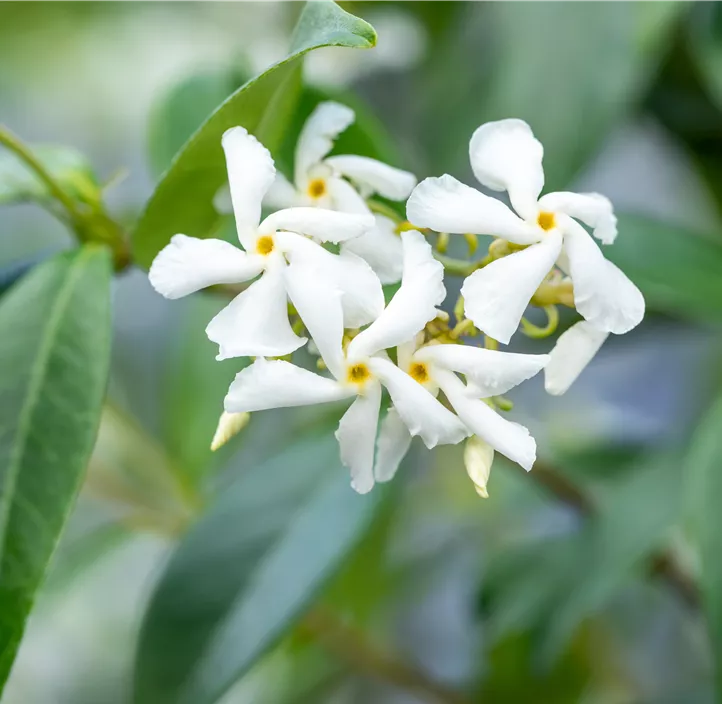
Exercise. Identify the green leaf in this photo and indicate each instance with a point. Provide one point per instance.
(679, 272)
(705, 47)
(183, 109)
(55, 327)
(244, 574)
(183, 200)
(67, 166)
(704, 476)
(571, 70)
(196, 386)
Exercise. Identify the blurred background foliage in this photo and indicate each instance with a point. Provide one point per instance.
(596, 579)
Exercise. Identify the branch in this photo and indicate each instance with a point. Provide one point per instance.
(352, 646)
(663, 564)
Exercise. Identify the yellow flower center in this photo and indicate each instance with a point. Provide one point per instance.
(419, 372)
(358, 373)
(317, 188)
(546, 221)
(264, 245)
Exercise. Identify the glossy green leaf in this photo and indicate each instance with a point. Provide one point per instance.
(183, 200)
(67, 166)
(571, 70)
(245, 573)
(704, 476)
(55, 328)
(678, 272)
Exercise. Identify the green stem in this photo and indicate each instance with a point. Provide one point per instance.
(13, 144)
(383, 209)
(457, 267)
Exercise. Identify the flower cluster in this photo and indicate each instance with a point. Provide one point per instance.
(317, 264)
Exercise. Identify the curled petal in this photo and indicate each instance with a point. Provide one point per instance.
(324, 124)
(381, 248)
(393, 444)
(478, 458)
(413, 305)
(319, 305)
(229, 424)
(277, 384)
(345, 197)
(250, 174)
(447, 205)
(488, 372)
(323, 225)
(496, 296)
(505, 156)
(593, 209)
(511, 439)
(189, 264)
(421, 412)
(374, 176)
(356, 437)
(602, 292)
(281, 194)
(255, 323)
(574, 350)
(363, 297)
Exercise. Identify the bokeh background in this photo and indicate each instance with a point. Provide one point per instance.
(555, 589)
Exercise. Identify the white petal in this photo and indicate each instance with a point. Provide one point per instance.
(393, 444)
(374, 176)
(593, 209)
(447, 205)
(356, 437)
(345, 197)
(488, 372)
(324, 124)
(496, 296)
(319, 305)
(189, 264)
(281, 194)
(575, 348)
(381, 248)
(511, 439)
(603, 294)
(413, 305)
(277, 384)
(255, 323)
(363, 297)
(505, 156)
(250, 174)
(478, 458)
(323, 225)
(422, 414)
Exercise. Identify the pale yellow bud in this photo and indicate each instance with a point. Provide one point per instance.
(478, 456)
(229, 424)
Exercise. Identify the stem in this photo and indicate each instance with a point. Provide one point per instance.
(352, 646)
(383, 209)
(13, 144)
(457, 267)
(662, 563)
(534, 331)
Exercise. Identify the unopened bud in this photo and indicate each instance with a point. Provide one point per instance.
(229, 424)
(478, 457)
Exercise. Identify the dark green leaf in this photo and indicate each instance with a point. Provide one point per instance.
(678, 271)
(55, 328)
(705, 47)
(704, 476)
(183, 200)
(67, 166)
(244, 574)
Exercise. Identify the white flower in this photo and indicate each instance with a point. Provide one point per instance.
(326, 181)
(574, 349)
(488, 373)
(256, 321)
(361, 370)
(506, 156)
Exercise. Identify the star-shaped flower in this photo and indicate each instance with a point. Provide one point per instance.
(256, 322)
(506, 156)
(344, 183)
(360, 370)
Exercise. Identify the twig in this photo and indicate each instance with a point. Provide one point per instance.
(351, 645)
(662, 563)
